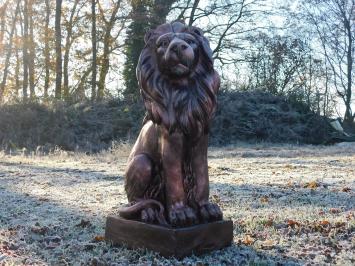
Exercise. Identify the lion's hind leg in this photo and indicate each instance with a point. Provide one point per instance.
(139, 175)
(139, 179)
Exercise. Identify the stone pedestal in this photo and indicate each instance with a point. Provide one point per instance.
(179, 242)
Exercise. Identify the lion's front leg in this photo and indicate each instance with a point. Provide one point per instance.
(208, 211)
(179, 213)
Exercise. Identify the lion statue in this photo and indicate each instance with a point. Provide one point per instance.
(166, 180)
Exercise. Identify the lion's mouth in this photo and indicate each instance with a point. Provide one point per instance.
(180, 69)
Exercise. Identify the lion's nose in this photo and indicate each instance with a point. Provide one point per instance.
(179, 51)
(178, 46)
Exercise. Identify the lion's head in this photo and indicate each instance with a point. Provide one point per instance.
(177, 79)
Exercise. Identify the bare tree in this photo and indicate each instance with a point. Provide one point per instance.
(68, 43)
(3, 10)
(31, 49)
(227, 24)
(334, 23)
(9, 51)
(17, 71)
(94, 49)
(58, 49)
(193, 11)
(46, 49)
(25, 51)
(109, 42)
(159, 10)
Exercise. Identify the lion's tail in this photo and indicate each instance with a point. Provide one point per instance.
(132, 211)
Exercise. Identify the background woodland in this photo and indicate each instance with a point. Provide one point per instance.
(67, 68)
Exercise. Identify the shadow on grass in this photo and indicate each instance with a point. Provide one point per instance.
(285, 196)
(281, 151)
(83, 175)
(48, 233)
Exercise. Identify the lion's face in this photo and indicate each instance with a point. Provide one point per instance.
(177, 48)
(177, 53)
(176, 77)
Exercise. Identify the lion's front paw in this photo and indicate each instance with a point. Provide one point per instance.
(181, 215)
(150, 215)
(210, 212)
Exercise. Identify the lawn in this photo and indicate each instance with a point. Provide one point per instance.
(293, 205)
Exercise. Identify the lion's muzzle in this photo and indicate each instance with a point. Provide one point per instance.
(179, 56)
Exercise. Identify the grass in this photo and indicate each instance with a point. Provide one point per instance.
(290, 204)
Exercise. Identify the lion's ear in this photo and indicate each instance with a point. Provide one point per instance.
(148, 35)
(206, 48)
(203, 40)
(197, 31)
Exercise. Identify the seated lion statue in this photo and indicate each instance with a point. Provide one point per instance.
(167, 174)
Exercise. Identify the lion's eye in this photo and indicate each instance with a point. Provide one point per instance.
(190, 41)
(164, 44)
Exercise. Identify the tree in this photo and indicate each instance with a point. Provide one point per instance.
(109, 42)
(145, 15)
(31, 51)
(94, 49)
(46, 49)
(58, 49)
(25, 54)
(3, 10)
(9, 51)
(159, 10)
(230, 24)
(68, 43)
(133, 46)
(334, 23)
(286, 65)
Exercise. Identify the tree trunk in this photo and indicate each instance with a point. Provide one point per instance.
(31, 46)
(106, 54)
(193, 10)
(25, 51)
(349, 118)
(159, 11)
(2, 22)
(17, 74)
(104, 67)
(80, 90)
(58, 50)
(94, 51)
(68, 43)
(9, 51)
(46, 50)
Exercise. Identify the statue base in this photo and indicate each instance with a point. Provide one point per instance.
(176, 242)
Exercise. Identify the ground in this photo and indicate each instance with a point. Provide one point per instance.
(290, 205)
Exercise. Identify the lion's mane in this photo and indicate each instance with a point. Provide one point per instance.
(187, 107)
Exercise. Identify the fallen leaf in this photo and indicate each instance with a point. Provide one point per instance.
(292, 223)
(334, 210)
(99, 238)
(339, 224)
(267, 244)
(350, 216)
(216, 198)
(346, 189)
(264, 199)
(311, 185)
(248, 240)
(324, 222)
(269, 222)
